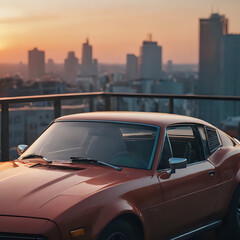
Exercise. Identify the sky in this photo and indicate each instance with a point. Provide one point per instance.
(114, 27)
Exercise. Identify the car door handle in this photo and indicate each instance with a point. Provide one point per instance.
(211, 173)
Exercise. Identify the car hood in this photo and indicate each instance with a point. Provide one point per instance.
(30, 191)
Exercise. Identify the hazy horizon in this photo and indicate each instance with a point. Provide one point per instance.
(114, 28)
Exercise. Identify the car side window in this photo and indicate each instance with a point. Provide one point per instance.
(185, 142)
(213, 139)
(203, 135)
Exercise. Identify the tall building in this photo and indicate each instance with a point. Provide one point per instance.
(212, 31)
(95, 66)
(36, 63)
(231, 65)
(88, 67)
(169, 66)
(231, 72)
(71, 67)
(132, 67)
(50, 66)
(150, 60)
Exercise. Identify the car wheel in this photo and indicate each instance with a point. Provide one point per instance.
(120, 230)
(231, 228)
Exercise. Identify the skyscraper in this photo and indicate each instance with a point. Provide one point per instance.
(50, 66)
(36, 63)
(231, 72)
(95, 66)
(88, 68)
(132, 67)
(150, 60)
(169, 66)
(71, 67)
(212, 31)
(231, 65)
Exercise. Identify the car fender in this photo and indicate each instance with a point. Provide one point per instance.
(113, 211)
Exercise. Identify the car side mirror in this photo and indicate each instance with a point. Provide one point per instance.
(177, 163)
(21, 149)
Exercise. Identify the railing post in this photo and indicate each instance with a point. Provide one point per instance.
(5, 132)
(107, 103)
(57, 108)
(171, 105)
(90, 103)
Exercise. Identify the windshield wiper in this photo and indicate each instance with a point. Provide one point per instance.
(33, 155)
(93, 161)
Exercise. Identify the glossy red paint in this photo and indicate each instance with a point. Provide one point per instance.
(52, 200)
(158, 119)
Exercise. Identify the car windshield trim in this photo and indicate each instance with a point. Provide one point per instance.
(107, 121)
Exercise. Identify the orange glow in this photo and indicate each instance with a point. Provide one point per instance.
(114, 28)
(1, 46)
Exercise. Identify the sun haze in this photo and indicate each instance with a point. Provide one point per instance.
(115, 28)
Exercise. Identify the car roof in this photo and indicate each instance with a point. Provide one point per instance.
(158, 119)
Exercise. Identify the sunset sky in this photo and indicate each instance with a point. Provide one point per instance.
(114, 27)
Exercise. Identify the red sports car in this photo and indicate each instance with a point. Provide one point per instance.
(122, 176)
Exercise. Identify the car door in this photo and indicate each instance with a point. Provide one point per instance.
(189, 193)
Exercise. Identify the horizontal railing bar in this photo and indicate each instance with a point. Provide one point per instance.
(52, 97)
(174, 96)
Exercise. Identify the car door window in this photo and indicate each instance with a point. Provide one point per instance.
(184, 141)
(203, 136)
(213, 139)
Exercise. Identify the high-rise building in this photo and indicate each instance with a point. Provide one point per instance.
(231, 65)
(95, 66)
(212, 31)
(150, 60)
(169, 66)
(71, 67)
(36, 63)
(231, 72)
(88, 67)
(50, 66)
(132, 67)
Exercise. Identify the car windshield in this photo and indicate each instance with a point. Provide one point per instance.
(120, 144)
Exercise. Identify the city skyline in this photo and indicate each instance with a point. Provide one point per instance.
(115, 28)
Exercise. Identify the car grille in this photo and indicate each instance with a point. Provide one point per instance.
(13, 236)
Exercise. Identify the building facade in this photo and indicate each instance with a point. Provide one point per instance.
(150, 60)
(88, 66)
(132, 67)
(36, 63)
(71, 67)
(231, 73)
(212, 31)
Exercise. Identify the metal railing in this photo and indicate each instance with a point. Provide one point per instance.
(106, 96)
